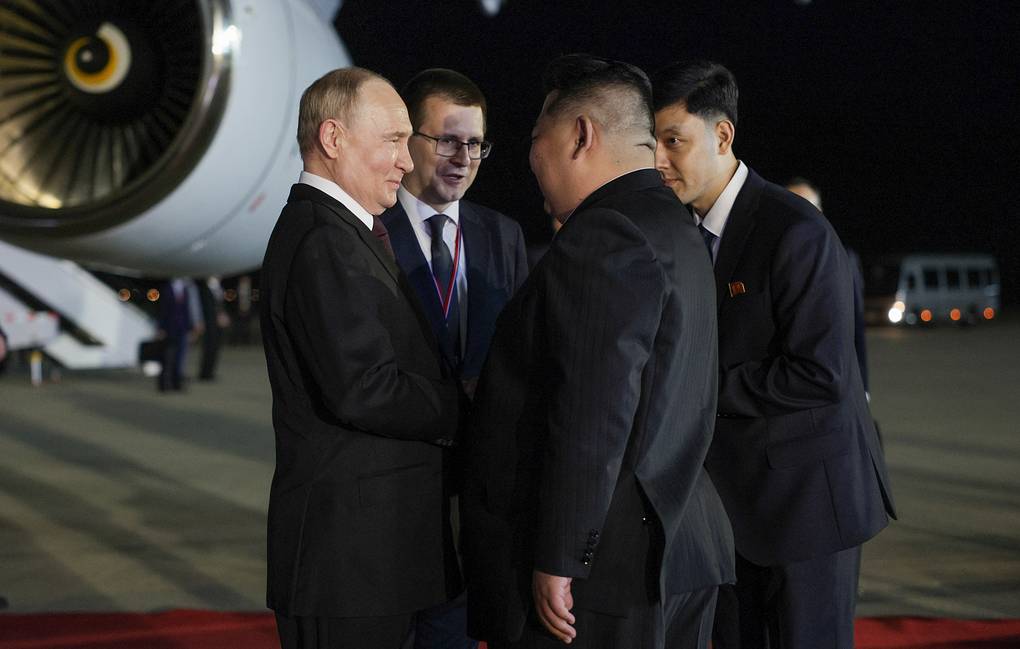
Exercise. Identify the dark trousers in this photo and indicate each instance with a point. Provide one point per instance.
(174, 354)
(210, 350)
(802, 605)
(387, 632)
(442, 627)
(689, 619)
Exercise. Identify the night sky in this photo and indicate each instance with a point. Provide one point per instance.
(905, 114)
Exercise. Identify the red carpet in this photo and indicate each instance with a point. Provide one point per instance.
(207, 630)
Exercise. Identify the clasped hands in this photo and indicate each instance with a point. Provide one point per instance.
(553, 602)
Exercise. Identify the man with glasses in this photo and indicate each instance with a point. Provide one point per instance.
(464, 261)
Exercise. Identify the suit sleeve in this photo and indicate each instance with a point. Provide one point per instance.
(860, 342)
(812, 303)
(603, 302)
(348, 351)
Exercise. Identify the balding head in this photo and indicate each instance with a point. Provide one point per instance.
(334, 95)
(805, 189)
(353, 130)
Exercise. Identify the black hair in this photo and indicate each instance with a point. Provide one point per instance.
(583, 79)
(706, 89)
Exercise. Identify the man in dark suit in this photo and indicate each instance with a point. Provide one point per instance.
(357, 540)
(214, 320)
(464, 261)
(806, 189)
(176, 325)
(588, 515)
(481, 249)
(795, 456)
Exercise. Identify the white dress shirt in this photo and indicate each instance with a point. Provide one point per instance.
(719, 214)
(332, 189)
(419, 213)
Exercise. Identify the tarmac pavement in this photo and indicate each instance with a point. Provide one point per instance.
(114, 497)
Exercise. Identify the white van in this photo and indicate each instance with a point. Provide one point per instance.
(927, 288)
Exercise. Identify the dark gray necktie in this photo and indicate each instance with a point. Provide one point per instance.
(709, 240)
(442, 271)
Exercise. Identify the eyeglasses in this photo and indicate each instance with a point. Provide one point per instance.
(450, 146)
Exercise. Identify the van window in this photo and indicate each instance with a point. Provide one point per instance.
(931, 278)
(953, 278)
(974, 278)
(911, 282)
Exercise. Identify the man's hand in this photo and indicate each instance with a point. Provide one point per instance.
(553, 602)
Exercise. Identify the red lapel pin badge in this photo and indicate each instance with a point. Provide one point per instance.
(737, 288)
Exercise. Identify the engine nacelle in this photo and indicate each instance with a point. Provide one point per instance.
(158, 138)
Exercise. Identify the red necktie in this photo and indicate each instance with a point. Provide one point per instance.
(379, 230)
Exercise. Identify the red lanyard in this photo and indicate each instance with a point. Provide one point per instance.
(446, 298)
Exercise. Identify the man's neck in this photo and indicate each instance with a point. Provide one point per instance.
(440, 208)
(610, 173)
(599, 180)
(705, 203)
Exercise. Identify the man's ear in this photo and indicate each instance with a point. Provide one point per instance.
(331, 137)
(584, 132)
(725, 132)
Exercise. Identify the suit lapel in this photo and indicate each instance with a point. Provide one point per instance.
(408, 251)
(738, 228)
(478, 258)
(377, 248)
(300, 191)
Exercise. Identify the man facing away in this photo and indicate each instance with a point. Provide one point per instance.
(464, 261)
(795, 456)
(588, 516)
(357, 538)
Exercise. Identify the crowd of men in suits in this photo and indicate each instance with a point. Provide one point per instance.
(658, 438)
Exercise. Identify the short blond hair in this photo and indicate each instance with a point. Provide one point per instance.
(333, 95)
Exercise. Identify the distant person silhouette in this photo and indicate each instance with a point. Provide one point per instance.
(215, 320)
(177, 322)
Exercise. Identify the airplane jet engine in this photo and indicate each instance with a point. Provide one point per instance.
(153, 137)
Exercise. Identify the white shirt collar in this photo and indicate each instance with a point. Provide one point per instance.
(715, 220)
(420, 211)
(335, 191)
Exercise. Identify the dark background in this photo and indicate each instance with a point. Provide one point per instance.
(903, 113)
